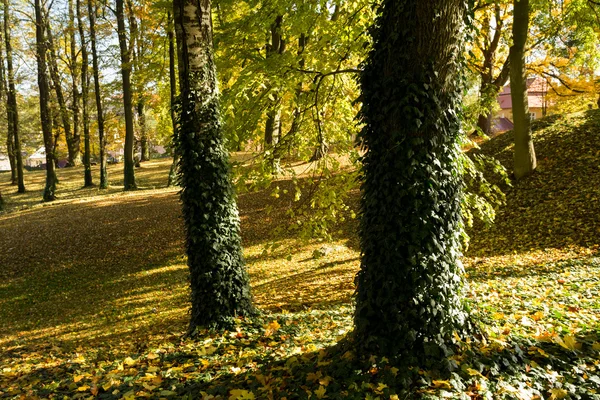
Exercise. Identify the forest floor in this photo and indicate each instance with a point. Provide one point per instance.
(94, 293)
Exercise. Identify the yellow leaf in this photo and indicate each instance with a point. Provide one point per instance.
(130, 362)
(239, 394)
(568, 342)
(77, 378)
(271, 328)
(379, 389)
(152, 356)
(474, 372)
(83, 388)
(596, 346)
(320, 392)
(558, 394)
(325, 381)
(442, 385)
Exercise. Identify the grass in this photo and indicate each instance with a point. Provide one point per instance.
(93, 294)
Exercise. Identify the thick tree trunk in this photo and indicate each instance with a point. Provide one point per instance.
(60, 97)
(409, 287)
(524, 158)
(85, 94)
(46, 118)
(99, 109)
(220, 289)
(75, 143)
(173, 94)
(128, 171)
(11, 102)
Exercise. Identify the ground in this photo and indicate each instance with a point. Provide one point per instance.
(94, 297)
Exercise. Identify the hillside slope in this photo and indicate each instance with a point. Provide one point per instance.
(558, 206)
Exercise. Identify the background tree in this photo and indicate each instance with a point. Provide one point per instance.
(172, 97)
(44, 90)
(409, 287)
(128, 169)
(219, 281)
(524, 158)
(11, 101)
(87, 162)
(98, 96)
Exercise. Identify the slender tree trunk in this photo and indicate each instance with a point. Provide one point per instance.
(60, 97)
(220, 289)
(145, 145)
(173, 94)
(99, 109)
(10, 144)
(85, 95)
(46, 118)
(11, 106)
(74, 145)
(524, 158)
(409, 287)
(1, 202)
(128, 171)
(273, 124)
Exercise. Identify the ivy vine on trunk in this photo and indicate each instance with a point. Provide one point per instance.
(409, 287)
(220, 287)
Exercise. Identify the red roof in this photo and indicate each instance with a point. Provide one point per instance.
(536, 91)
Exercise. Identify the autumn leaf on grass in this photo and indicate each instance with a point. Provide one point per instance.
(557, 394)
(239, 394)
(442, 385)
(320, 392)
(568, 342)
(271, 328)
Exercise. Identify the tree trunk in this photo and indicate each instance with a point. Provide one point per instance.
(46, 118)
(524, 158)
(128, 170)
(173, 93)
(60, 97)
(10, 144)
(74, 150)
(85, 95)
(273, 124)
(99, 110)
(144, 144)
(11, 102)
(220, 289)
(409, 287)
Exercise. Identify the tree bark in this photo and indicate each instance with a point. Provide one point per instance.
(173, 97)
(10, 143)
(273, 124)
(524, 157)
(128, 170)
(11, 103)
(98, 96)
(85, 95)
(409, 287)
(46, 118)
(220, 289)
(74, 150)
(60, 97)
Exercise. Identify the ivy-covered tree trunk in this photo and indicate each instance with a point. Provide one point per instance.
(128, 170)
(11, 102)
(524, 158)
(46, 117)
(219, 281)
(409, 287)
(99, 109)
(173, 96)
(87, 162)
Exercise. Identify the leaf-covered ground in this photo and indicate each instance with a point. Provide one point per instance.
(93, 294)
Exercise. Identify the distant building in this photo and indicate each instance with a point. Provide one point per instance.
(537, 91)
(4, 163)
(37, 159)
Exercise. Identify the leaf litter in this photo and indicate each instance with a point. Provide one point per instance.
(93, 299)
